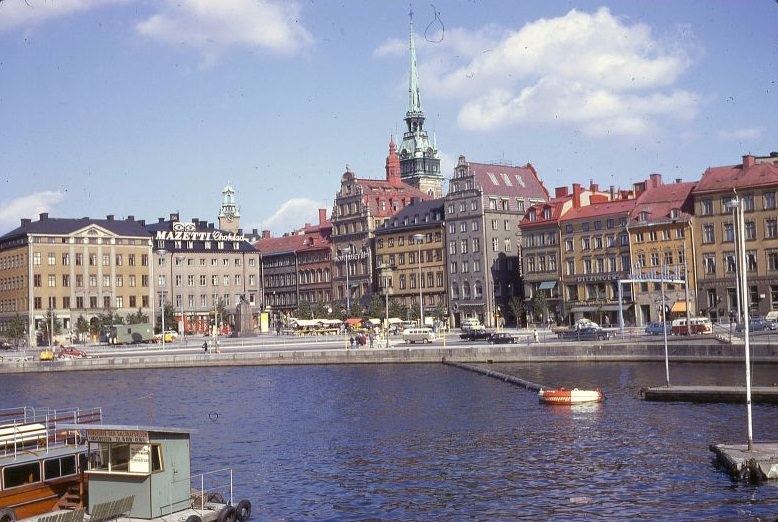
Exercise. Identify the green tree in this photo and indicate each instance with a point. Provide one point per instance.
(16, 329)
(303, 310)
(82, 327)
(46, 327)
(540, 306)
(396, 309)
(321, 311)
(515, 309)
(377, 308)
(137, 317)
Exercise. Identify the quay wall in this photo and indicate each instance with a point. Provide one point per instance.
(463, 353)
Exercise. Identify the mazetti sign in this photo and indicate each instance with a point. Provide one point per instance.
(189, 232)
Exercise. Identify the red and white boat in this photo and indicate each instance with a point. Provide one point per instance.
(565, 396)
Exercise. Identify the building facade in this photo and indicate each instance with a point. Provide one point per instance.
(483, 241)
(67, 270)
(203, 273)
(360, 206)
(755, 183)
(411, 245)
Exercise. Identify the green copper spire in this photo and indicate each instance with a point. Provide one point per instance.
(414, 98)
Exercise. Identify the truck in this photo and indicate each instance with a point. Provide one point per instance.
(134, 333)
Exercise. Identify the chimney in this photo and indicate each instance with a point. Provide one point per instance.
(265, 234)
(613, 193)
(594, 187)
(25, 222)
(560, 192)
(749, 161)
(656, 180)
(174, 216)
(43, 216)
(130, 218)
(322, 215)
(576, 195)
(160, 220)
(678, 180)
(109, 217)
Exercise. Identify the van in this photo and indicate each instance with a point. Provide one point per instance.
(697, 325)
(418, 335)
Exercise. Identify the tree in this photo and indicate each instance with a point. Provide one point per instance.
(540, 306)
(82, 327)
(137, 317)
(16, 329)
(46, 327)
(303, 310)
(377, 307)
(515, 309)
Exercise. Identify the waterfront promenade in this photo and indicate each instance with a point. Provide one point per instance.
(273, 350)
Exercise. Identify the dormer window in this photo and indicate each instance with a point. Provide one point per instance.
(674, 213)
(643, 216)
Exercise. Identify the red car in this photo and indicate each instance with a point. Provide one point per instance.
(69, 352)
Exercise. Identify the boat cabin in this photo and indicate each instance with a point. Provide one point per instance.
(150, 464)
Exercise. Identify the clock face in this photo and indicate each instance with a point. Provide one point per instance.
(229, 217)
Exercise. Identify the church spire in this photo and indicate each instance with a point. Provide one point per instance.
(419, 158)
(414, 96)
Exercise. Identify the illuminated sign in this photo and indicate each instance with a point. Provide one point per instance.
(189, 232)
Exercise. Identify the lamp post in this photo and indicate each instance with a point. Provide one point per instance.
(386, 273)
(419, 239)
(182, 328)
(162, 252)
(737, 204)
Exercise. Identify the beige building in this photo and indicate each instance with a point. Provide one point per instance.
(755, 183)
(72, 268)
(410, 244)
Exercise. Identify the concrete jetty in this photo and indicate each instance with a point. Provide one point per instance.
(758, 465)
(736, 394)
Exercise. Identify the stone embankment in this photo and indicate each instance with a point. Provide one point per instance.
(465, 353)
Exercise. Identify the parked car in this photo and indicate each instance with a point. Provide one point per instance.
(503, 338)
(587, 333)
(659, 328)
(475, 335)
(69, 352)
(5, 345)
(755, 324)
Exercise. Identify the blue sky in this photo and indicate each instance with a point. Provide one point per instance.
(150, 107)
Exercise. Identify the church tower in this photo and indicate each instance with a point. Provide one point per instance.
(229, 214)
(419, 158)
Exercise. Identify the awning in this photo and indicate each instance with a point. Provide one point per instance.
(678, 307)
(547, 285)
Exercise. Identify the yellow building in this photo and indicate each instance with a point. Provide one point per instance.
(70, 268)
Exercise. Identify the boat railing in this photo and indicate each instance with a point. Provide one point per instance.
(25, 427)
(212, 487)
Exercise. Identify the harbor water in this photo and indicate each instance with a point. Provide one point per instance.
(434, 442)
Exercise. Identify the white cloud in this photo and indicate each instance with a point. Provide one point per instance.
(212, 26)
(292, 215)
(34, 12)
(739, 135)
(593, 71)
(28, 206)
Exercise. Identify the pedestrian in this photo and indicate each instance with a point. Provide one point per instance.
(218, 346)
(205, 346)
(535, 334)
(372, 338)
(351, 341)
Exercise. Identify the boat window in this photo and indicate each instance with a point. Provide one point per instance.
(122, 457)
(62, 467)
(21, 474)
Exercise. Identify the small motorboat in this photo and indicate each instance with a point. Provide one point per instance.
(565, 396)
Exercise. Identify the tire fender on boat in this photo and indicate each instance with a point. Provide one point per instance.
(7, 515)
(194, 518)
(243, 510)
(227, 514)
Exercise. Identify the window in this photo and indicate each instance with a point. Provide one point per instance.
(750, 230)
(476, 265)
(709, 262)
(772, 260)
(36, 259)
(569, 245)
(474, 226)
(52, 259)
(729, 233)
(771, 228)
(706, 207)
(476, 244)
(123, 457)
(495, 244)
(570, 267)
(708, 234)
(769, 200)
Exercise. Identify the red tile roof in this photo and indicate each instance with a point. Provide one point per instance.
(718, 179)
(504, 180)
(660, 200)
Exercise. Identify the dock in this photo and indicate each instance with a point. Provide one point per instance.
(732, 394)
(758, 465)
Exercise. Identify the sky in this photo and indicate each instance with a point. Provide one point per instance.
(150, 107)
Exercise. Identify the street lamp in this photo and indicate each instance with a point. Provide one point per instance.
(737, 205)
(162, 252)
(182, 328)
(386, 274)
(419, 239)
